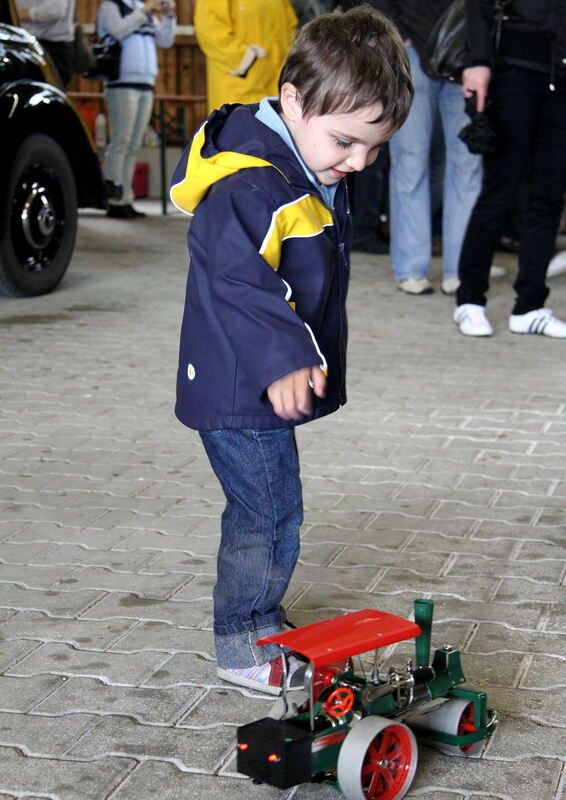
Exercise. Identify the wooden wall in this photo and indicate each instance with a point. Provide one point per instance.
(181, 73)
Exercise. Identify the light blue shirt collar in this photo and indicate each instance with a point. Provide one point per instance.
(269, 116)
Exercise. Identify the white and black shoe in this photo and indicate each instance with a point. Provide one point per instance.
(472, 320)
(415, 286)
(557, 265)
(541, 321)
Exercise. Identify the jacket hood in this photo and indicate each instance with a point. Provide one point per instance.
(230, 140)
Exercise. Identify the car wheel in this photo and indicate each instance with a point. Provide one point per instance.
(41, 219)
(377, 760)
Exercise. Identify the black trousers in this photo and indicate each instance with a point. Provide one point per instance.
(530, 120)
(369, 195)
(63, 56)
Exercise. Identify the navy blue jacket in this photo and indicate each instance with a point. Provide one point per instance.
(268, 275)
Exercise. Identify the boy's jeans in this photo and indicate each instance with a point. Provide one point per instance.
(409, 178)
(259, 472)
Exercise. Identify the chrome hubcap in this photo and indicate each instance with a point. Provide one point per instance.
(37, 216)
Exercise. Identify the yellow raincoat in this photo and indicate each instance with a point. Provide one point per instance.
(224, 30)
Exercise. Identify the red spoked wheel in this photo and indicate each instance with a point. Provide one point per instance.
(339, 702)
(377, 760)
(455, 717)
(466, 724)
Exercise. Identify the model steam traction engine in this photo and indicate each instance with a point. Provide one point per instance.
(357, 732)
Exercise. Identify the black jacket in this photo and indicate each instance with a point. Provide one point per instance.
(533, 34)
(415, 19)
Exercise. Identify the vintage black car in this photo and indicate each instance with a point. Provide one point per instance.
(48, 165)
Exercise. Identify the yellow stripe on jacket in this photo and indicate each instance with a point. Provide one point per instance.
(304, 217)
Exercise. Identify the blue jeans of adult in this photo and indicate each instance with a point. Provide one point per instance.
(130, 112)
(258, 470)
(409, 178)
(530, 121)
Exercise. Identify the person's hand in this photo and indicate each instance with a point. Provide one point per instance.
(476, 79)
(291, 396)
(164, 6)
(151, 5)
(253, 51)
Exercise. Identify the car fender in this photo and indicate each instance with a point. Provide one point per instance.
(28, 107)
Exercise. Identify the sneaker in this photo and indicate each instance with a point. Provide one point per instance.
(415, 286)
(123, 212)
(133, 212)
(449, 285)
(541, 321)
(496, 271)
(472, 320)
(557, 265)
(267, 677)
(118, 212)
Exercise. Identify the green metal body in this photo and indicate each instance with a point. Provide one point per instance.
(446, 683)
(423, 618)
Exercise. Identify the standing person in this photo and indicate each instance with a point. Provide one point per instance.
(409, 150)
(264, 330)
(52, 23)
(130, 97)
(309, 9)
(526, 83)
(245, 45)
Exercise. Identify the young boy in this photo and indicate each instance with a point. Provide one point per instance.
(263, 337)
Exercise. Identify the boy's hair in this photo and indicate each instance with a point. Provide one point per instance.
(341, 62)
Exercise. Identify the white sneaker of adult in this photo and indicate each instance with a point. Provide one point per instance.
(415, 286)
(472, 320)
(449, 285)
(557, 265)
(541, 321)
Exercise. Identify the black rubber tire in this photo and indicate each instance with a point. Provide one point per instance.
(41, 219)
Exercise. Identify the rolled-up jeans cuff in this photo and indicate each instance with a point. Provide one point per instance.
(239, 650)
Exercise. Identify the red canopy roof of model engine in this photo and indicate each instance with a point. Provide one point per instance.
(348, 635)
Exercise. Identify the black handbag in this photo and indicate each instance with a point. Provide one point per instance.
(84, 59)
(106, 53)
(446, 47)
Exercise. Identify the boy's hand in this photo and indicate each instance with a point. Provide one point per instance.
(291, 396)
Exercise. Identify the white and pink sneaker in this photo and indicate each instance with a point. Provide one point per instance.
(267, 677)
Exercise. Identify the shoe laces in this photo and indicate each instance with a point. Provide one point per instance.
(545, 312)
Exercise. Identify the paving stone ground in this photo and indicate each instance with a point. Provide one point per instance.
(444, 476)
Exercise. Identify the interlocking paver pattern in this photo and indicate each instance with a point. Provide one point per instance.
(444, 476)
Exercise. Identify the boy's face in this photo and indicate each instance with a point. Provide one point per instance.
(333, 145)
